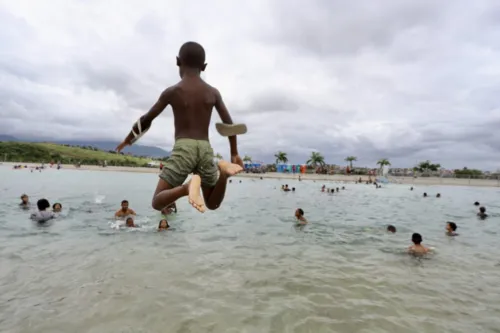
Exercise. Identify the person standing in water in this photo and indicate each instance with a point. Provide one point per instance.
(192, 101)
(299, 215)
(124, 211)
(25, 202)
(417, 248)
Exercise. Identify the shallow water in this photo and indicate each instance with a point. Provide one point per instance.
(245, 267)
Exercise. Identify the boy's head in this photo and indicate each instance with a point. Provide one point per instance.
(129, 222)
(293, 189)
(451, 226)
(299, 212)
(476, 203)
(391, 228)
(43, 204)
(24, 198)
(191, 55)
(425, 194)
(482, 209)
(438, 195)
(416, 238)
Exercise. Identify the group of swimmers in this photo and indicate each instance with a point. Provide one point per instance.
(127, 213)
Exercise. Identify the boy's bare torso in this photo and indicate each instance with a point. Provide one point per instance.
(192, 101)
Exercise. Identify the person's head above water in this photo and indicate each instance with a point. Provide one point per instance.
(130, 222)
(482, 209)
(57, 207)
(391, 228)
(299, 212)
(163, 224)
(438, 195)
(425, 194)
(476, 203)
(416, 238)
(451, 226)
(25, 199)
(124, 205)
(293, 189)
(191, 58)
(43, 204)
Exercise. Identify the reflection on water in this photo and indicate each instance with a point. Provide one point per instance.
(245, 267)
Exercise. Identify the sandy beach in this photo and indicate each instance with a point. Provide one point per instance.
(285, 176)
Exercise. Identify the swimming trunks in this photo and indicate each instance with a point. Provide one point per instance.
(190, 156)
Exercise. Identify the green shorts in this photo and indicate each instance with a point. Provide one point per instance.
(190, 156)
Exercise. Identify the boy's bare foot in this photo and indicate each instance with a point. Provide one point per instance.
(229, 169)
(194, 196)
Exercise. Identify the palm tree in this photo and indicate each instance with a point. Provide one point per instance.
(316, 159)
(383, 162)
(351, 159)
(281, 157)
(218, 156)
(247, 159)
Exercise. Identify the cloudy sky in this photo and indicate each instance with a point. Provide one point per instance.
(405, 80)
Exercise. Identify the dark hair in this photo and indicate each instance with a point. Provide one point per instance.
(416, 238)
(43, 204)
(476, 203)
(301, 212)
(438, 195)
(124, 202)
(54, 205)
(24, 196)
(425, 194)
(482, 209)
(453, 225)
(391, 228)
(159, 223)
(192, 55)
(293, 188)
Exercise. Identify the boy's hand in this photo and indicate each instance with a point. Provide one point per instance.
(236, 159)
(121, 146)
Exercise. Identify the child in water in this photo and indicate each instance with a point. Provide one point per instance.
(451, 227)
(299, 215)
(417, 248)
(129, 223)
(192, 101)
(163, 225)
(25, 202)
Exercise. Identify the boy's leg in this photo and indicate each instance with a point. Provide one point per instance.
(166, 194)
(214, 195)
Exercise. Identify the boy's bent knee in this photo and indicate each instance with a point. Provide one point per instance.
(156, 206)
(212, 207)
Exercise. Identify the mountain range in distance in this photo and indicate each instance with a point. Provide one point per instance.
(136, 150)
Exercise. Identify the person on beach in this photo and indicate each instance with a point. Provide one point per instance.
(25, 202)
(451, 227)
(417, 248)
(192, 101)
(124, 210)
(299, 215)
(43, 215)
(482, 213)
(163, 225)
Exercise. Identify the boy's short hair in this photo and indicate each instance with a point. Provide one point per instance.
(24, 196)
(43, 204)
(416, 238)
(482, 209)
(391, 228)
(453, 226)
(124, 202)
(301, 212)
(192, 55)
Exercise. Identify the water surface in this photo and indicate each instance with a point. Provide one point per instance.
(245, 267)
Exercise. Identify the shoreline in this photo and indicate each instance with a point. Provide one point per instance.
(427, 181)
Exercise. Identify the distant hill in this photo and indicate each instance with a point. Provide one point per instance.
(136, 150)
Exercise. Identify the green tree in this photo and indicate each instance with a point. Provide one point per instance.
(247, 159)
(468, 173)
(281, 157)
(316, 159)
(383, 162)
(426, 167)
(351, 159)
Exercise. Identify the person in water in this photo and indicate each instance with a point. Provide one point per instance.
(417, 248)
(129, 222)
(451, 228)
(438, 195)
(25, 201)
(391, 229)
(293, 189)
(57, 207)
(476, 203)
(192, 101)
(482, 213)
(124, 210)
(323, 188)
(43, 214)
(425, 194)
(299, 215)
(163, 225)
(286, 188)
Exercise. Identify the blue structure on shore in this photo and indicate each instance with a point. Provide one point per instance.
(252, 165)
(287, 168)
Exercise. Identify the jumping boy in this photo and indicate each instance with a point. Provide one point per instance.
(192, 101)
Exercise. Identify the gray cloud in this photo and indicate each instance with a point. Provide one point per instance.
(399, 79)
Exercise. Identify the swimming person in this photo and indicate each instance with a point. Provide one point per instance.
(476, 203)
(129, 223)
(451, 227)
(299, 215)
(25, 202)
(417, 248)
(438, 195)
(425, 194)
(391, 229)
(42, 215)
(482, 213)
(163, 225)
(192, 101)
(124, 210)
(57, 207)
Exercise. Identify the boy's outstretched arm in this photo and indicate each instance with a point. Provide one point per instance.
(226, 119)
(147, 119)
